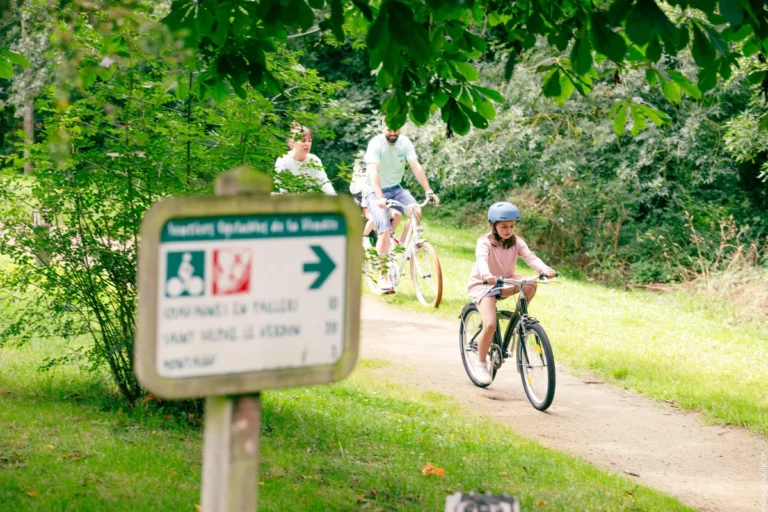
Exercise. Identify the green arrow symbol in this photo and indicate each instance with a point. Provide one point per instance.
(324, 266)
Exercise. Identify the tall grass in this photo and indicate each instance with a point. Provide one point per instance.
(678, 347)
(728, 278)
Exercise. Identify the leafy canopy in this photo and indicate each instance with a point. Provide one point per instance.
(422, 50)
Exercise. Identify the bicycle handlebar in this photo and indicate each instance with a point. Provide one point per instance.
(394, 202)
(500, 281)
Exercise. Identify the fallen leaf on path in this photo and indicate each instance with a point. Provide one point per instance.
(631, 473)
(34, 494)
(429, 469)
(149, 398)
(198, 508)
(541, 503)
(154, 432)
(504, 473)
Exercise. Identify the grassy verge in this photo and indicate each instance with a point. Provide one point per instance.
(65, 444)
(664, 346)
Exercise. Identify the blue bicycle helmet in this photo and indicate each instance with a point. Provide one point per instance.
(503, 211)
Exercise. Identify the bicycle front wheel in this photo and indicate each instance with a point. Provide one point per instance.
(536, 365)
(371, 270)
(469, 337)
(426, 275)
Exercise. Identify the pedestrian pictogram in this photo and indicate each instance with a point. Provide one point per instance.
(185, 274)
(232, 271)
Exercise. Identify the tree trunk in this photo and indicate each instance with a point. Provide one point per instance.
(29, 130)
(29, 100)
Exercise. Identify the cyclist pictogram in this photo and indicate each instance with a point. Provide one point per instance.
(185, 274)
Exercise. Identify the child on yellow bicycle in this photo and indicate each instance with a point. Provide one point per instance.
(496, 256)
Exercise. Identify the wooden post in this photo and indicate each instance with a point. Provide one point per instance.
(231, 453)
(233, 424)
(41, 228)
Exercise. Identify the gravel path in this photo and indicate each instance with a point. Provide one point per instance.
(714, 468)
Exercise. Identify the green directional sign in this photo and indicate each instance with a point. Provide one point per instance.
(239, 293)
(324, 266)
(244, 295)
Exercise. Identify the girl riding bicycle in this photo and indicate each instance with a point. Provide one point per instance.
(496, 256)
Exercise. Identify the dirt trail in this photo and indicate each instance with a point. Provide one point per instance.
(714, 468)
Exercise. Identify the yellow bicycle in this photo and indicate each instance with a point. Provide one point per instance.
(425, 269)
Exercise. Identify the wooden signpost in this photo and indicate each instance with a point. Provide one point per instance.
(239, 293)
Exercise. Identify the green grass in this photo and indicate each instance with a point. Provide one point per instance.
(663, 346)
(66, 444)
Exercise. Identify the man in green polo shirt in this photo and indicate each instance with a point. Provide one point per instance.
(385, 159)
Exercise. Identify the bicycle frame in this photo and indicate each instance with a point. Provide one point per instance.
(414, 237)
(517, 321)
(522, 338)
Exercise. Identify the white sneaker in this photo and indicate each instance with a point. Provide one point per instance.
(482, 374)
(367, 243)
(385, 285)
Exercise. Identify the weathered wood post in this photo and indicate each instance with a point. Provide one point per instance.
(41, 229)
(231, 434)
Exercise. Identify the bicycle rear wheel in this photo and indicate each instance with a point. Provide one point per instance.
(426, 275)
(469, 334)
(537, 366)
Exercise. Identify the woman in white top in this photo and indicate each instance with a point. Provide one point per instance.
(299, 161)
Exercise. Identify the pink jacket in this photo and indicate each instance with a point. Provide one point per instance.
(492, 259)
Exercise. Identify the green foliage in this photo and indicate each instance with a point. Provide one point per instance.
(8, 59)
(422, 51)
(746, 140)
(343, 137)
(591, 197)
(425, 53)
(130, 136)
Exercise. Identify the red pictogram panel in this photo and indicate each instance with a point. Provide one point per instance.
(231, 271)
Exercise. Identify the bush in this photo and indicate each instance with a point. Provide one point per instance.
(595, 201)
(119, 145)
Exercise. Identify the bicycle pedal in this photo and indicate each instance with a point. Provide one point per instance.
(391, 291)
